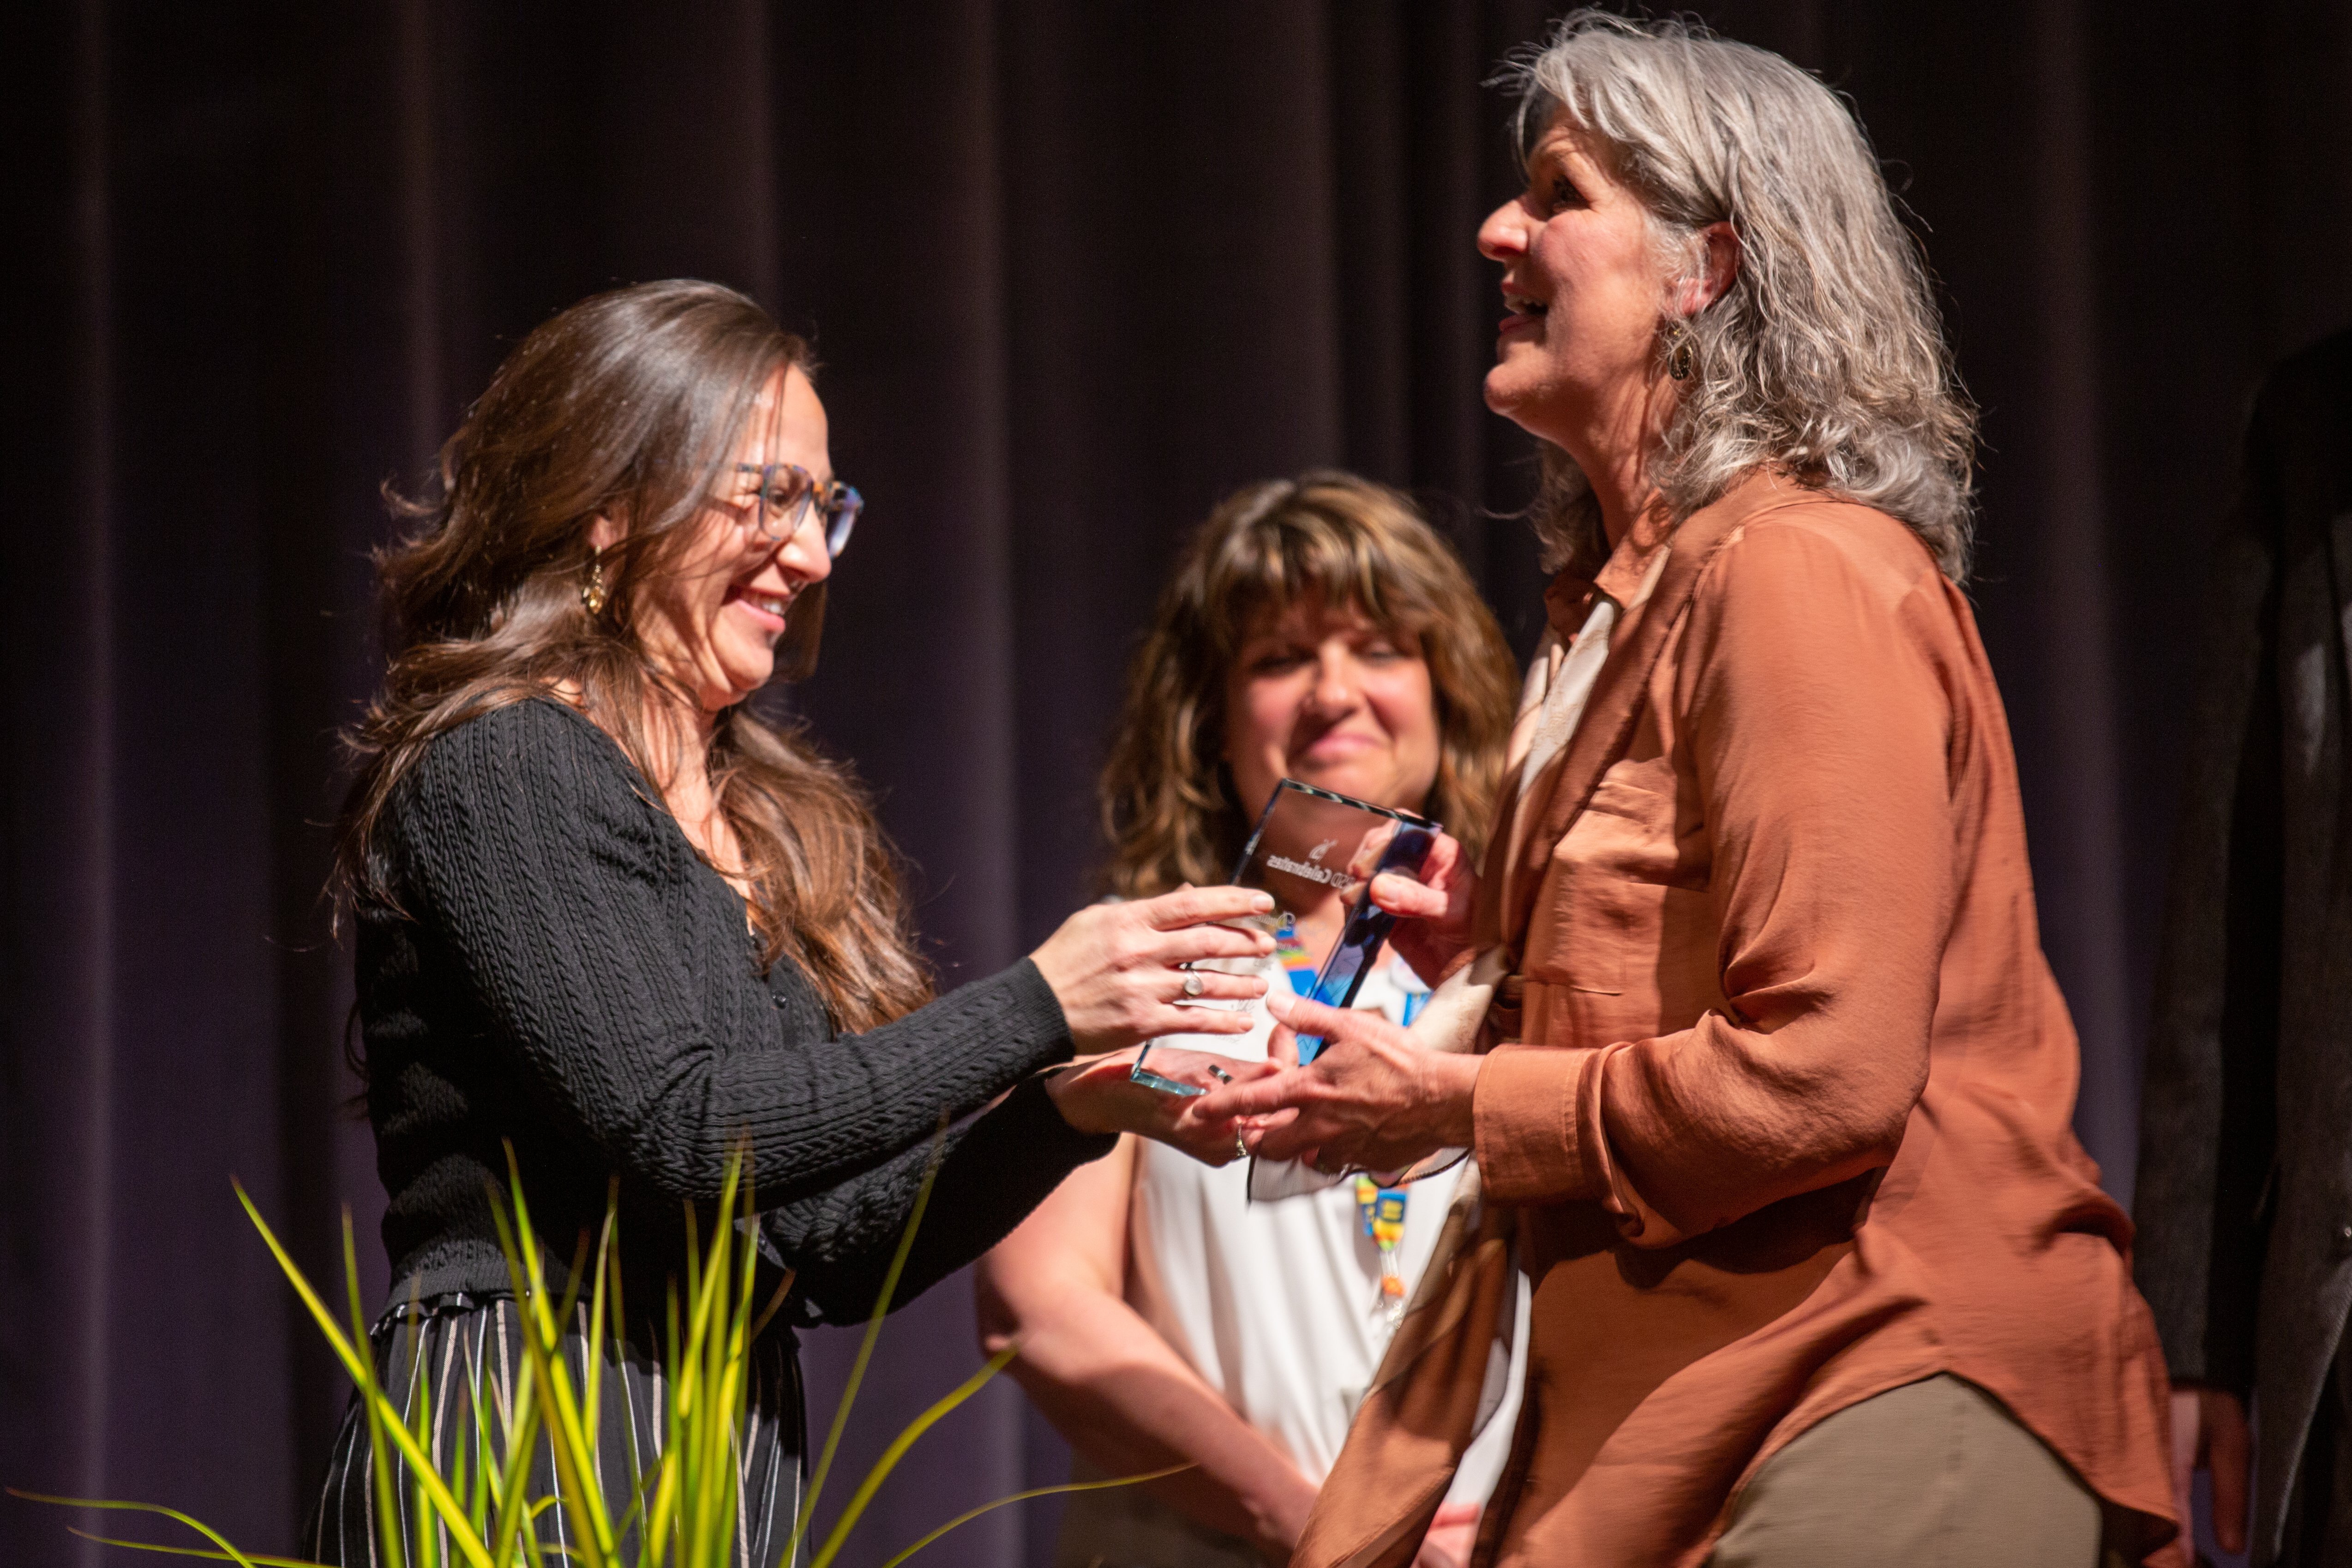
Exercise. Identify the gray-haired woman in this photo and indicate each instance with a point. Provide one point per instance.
(1751, 1028)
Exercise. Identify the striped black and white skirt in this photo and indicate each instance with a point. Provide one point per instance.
(470, 1348)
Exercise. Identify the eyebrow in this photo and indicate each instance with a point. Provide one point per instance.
(1549, 153)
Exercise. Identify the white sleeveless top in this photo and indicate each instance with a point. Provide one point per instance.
(1278, 1305)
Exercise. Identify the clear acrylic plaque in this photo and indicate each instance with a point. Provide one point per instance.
(1311, 844)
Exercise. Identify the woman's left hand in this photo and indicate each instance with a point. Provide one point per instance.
(1097, 1095)
(1373, 1100)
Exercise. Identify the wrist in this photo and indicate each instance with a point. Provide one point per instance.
(1280, 1516)
(1448, 1085)
(1071, 1097)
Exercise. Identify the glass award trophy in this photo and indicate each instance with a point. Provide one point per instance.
(1310, 844)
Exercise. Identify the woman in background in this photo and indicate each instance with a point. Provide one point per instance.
(1316, 630)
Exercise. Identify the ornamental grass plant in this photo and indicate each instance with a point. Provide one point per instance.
(469, 1503)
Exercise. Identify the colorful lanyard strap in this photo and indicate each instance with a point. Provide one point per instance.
(1380, 1209)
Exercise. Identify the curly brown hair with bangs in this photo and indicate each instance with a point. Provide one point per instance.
(1167, 796)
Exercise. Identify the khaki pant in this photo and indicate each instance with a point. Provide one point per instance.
(1931, 1475)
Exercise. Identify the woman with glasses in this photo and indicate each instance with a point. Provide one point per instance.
(1316, 630)
(612, 920)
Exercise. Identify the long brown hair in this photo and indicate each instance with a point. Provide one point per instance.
(628, 406)
(1167, 796)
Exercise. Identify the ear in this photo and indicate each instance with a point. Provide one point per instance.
(1715, 275)
(603, 532)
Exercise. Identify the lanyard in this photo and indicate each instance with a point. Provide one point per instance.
(1380, 1209)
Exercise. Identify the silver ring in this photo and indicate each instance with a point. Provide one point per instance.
(1192, 986)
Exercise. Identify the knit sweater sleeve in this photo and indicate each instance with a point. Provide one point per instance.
(531, 852)
(992, 1173)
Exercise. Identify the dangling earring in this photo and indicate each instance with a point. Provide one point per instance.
(1680, 351)
(591, 591)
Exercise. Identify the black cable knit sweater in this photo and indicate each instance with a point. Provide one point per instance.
(568, 975)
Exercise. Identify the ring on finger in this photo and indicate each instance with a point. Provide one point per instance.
(1192, 985)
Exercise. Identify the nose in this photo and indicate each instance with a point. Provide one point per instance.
(1504, 236)
(1335, 682)
(802, 555)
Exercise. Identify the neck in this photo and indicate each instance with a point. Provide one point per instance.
(678, 735)
(1615, 448)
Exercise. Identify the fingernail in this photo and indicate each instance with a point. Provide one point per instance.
(1262, 902)
(1279, 1003)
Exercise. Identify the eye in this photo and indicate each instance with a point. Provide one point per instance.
(1560, 192)
(1277, 661)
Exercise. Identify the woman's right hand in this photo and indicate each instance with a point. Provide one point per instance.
(1099, 1095)
(1115, 968)
(1433, 930)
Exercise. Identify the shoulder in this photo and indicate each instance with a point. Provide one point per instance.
(536, 738)
(1816, 589)
(531, 767)
(1803, 550)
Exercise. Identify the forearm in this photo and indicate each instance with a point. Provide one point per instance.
(1130, 1404)
(991, 1174)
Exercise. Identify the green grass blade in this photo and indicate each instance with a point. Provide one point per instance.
(967, 1518)
(576, 1478)
(866, 1344)
(775, 1303)
(592, 1401)
(385, 1500)
(198, 1525)
(265, 1560)
(358, 1368)
(898, 1450)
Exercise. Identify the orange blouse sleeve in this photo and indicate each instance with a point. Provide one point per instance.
(1810, 693)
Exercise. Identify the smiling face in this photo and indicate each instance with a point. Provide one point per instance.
(1328, 698)
(1583, 283)
(710, 620)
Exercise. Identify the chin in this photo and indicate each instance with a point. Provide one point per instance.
(747, 670)
(1502, 396)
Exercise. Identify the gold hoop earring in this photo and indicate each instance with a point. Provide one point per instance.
(591, 591)
(1681, 352)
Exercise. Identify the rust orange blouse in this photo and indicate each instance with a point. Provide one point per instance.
(1783, 1113)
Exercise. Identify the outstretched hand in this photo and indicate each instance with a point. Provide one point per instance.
(1373, 1099)
(1433, 913)
(1119, 970)
(1097, 1096)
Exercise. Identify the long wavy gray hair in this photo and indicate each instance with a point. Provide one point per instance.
(1826, 356)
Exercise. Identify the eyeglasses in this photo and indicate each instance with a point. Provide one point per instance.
(786, 493)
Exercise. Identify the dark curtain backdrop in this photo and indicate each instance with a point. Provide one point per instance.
(1074, 270)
